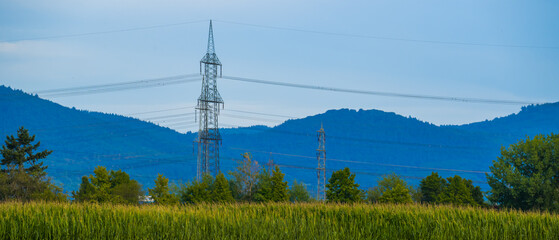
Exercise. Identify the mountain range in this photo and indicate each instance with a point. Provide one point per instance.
(371, 143)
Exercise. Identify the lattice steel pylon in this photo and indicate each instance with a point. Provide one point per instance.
(321, 168)
(208, 107)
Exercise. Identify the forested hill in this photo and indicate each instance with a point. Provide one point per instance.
(81, 140)
(370, 142)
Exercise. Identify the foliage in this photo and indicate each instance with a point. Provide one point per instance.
(18, 154)
(298, 192)
(263, 187)
(269, 221)
(161, 192)
(245, 178)
(477, 194)
(393, 189)
(197, 191)
(221, 192)
(416, 194)
(485, 137)
(105, 186)
(23, 176)
(279, 187)
(457, 191)
(526, 174)
(210, 189)
(373, 195)
(341, 187)
(431, 186)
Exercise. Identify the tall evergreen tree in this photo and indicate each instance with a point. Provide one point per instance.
(161, 192)
(342, 188)
(279, 187)
(22, 175)
(220, 191)
(263, 191)
(18, 154)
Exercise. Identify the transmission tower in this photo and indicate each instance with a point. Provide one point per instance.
(321, 168)
(208, 107)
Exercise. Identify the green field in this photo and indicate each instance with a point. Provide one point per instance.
(270, 221)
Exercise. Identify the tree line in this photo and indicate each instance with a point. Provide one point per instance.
(525, 177)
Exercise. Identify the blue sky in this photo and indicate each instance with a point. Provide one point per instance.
(493, 69)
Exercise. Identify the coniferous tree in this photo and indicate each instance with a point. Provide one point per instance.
(279, 187)
(18, 154)
(342, 188)
(22, 175)
(161, 192)
(220, 191)
(263, 187)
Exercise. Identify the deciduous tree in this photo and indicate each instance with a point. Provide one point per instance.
(526, 175)
(456, 191)
(431, 186)
(393, 189)
(245, 178)
(342, 188)
(104, 186)
(298, 192)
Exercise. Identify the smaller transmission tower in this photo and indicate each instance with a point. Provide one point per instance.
(321, 168)
(270, 165)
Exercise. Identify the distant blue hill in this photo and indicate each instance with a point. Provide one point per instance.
(369, 142)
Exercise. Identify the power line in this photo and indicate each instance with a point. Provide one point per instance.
(355, 172)
(157, 111)
(158, 82)
(250, 118)
(379, 93)
(107, 32)
(428, 145)
(72, 89)
(183, 78)
(368, 163)
(424, 41)
(257, 113)
(168, 116)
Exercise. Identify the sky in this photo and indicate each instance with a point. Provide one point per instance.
(474, 49)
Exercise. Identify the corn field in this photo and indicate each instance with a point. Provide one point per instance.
(270, 221)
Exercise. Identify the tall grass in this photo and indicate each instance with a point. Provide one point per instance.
(272, 221)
